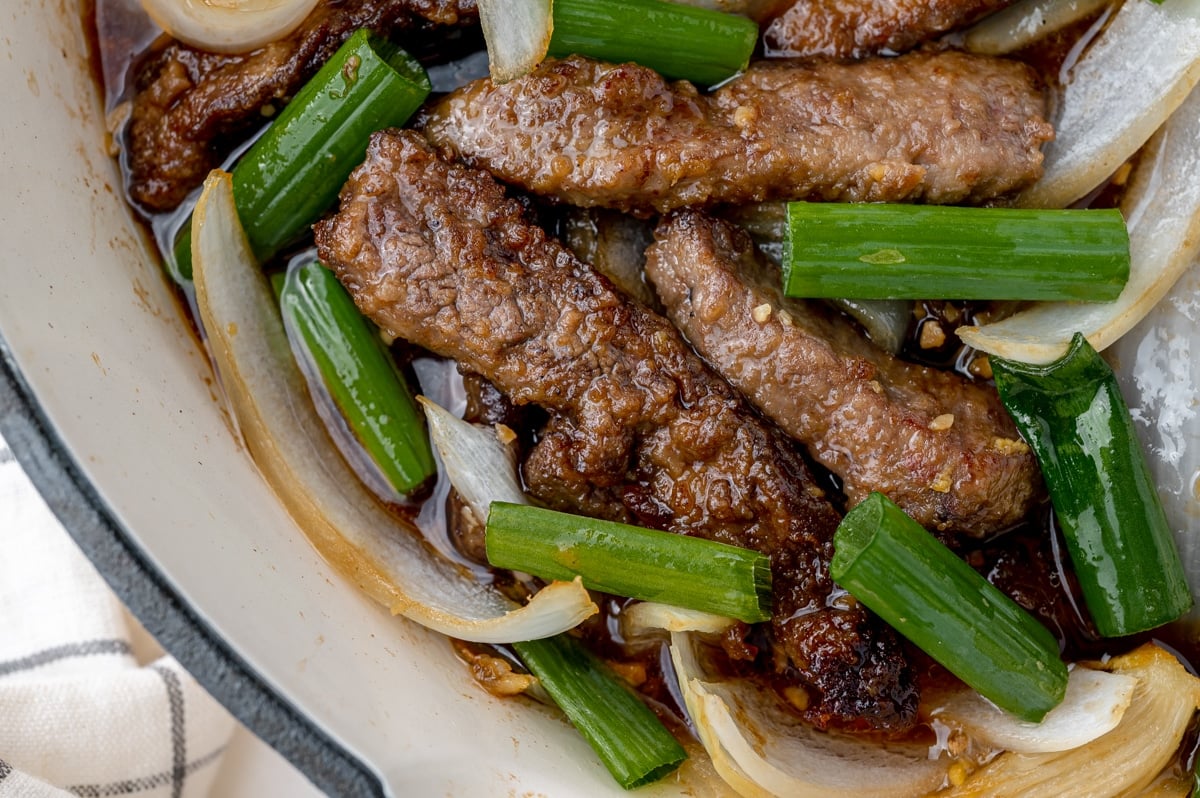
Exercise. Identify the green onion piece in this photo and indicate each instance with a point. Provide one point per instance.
(631, 561)
(628, 737)
(372, 395)
(678, 41)
(863, 251)
(1073, 415)
(294, 171)
(897, 569)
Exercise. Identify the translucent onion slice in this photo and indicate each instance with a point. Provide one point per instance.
(1133, 77)
(228, 26)
(1162, 209)
(1094, 704)
(517, 34)
(1024, 23)
(479, 466)
(762, 750)
(385, 557)
(1158, 364)
(1125, 761)
(646, 617)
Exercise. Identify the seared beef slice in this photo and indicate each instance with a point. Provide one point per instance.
(934, 127)
(641, 429)
(854, 28)
(188, 99)
(938, 445)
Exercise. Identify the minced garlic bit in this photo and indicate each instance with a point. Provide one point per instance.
(942, 482)
(932, 335)
(761, 313)
(1009, 447)
(786, 318)
(876, 387)
(957, 773)
(981, 367)
(797, 697)
(744, 116)
(505, 434)
(943, 422)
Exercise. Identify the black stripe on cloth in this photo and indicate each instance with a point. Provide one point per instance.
(178, 740)
(87, 648)
(131, 786)
(5, 769)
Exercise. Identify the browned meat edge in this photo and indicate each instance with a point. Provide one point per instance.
(934, 127)
(939, 445)
(187, 99)
(855, 28)
(641, 429)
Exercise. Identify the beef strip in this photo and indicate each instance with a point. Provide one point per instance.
(640, 428)
(855, 28)
(935, 127)
(186, 99)
(939, 445)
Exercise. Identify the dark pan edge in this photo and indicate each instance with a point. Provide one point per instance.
(154, 602)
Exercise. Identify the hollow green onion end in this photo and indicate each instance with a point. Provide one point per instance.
(897, 569)
(626, 735)
(1076, 421)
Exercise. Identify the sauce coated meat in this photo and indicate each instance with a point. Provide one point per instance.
(640, 428)
(855, 28)
(941, 127)
(938, 445)
(187, 99)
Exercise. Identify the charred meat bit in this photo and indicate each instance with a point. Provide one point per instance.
(186, 100)
(922, 436)
(640, 428)
(933, 127)
(855, 28)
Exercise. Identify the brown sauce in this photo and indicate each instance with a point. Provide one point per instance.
(1015, 561)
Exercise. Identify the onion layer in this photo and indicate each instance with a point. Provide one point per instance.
(761, 749)
(386, 558)
(517, 34)
(1126, 85)
(1025, 23)
(228, 26)
(1162, 209)
(1125, 761)
(1094, 704)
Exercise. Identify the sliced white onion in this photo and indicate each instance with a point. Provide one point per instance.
(1158, 365)
(480, 467)
(1162, 209)
(1123, 762)
(1094, 704)
(761, 749)
(341, 518)
(1024, 23)
(228, 26)
(646, 617)
(1133, 77)
(517, 34)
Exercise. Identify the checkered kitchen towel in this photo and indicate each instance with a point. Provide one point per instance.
(88, 705)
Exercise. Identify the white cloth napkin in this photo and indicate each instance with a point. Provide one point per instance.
(89, 705)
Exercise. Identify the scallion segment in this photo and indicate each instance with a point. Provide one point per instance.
(627, 736)
(903, 574)
(868, 251)
(294, 171)
(631, 561)
(676, 40)
(360, 376)
(1073, 415)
